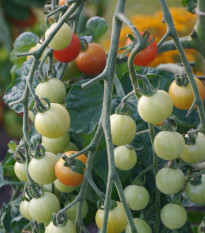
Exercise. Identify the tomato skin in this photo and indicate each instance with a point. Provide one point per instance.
(56, 145)
(53, 89)
(123, 129)
(147, 55)
(42, 170)
(156, 108)
(183, 97)
(69, 227)
(54, 122)
(62, 187)
(195, 153)
(136, 196)
(169, 145)
(70, 52)
(117, 219)
(62, 2)
(20, 171)
(125, 158)
(195, 193)
(141, 226)
(71, 146)
(61, 39)
(170, 180)
(65, 175)
(92, 60)
(173, 216)
(42, 208)
(23, 208)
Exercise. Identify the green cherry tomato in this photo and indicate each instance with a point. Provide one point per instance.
(170, 180)
(125, 157)
(196, 193)
(71, 72)
(117, 219)
(61, 39)
(42, 208)
(56, 145)
(71, 212)
(141, 226)
(24, 209)
(20, 171)
(42, 170)
(195, 153)
(54, 122)
(173, 216)
(169, 145)
(53, 89)
(71, 147)
(123, 129)
(136, 196)
(62, 187)
(69, 227)
(156, 108)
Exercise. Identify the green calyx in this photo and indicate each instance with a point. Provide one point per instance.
(182, 79)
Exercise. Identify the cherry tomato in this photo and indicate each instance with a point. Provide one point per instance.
(170, 180)
(70, 52)
(56, 145)
(195, 193)
(23, 208)
(194, 153)
(62, 187)
(65, 175)
(125, 157)
(54, 122)
(20, 171)
(137, 197)
(42, 208)
(123, 129)
(141, 226)
(173, 216)
(69, 227)
(147, 55)
(156, 108)
(71, 146)
(42, 169)
(183, 97)
(71, 72)
(72, 211)
(92, 60)
(61, 39)
(62, 2)
(117, 219)
(169, 145)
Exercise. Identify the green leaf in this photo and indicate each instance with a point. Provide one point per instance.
(84, 106)
(5, 37)
(8, 165)
(190, 5)
(22, 44)
(12, 146)
(18, 223)
(96, 26)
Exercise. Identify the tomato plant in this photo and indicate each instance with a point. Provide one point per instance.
(20, 171)
(62, 187)
(141, 226)
(69, 227)
(24, 209)
(92, 60)
(147, 55)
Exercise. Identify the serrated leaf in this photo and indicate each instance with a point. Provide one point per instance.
(97, 26)
(84, 107)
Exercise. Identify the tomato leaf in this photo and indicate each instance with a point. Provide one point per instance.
(96, 26)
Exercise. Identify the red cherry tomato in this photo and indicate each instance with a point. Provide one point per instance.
(92, 60)
(147, 55)
(70, 52)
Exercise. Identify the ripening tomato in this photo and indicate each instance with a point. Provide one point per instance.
(69, 227)
(141, 226)
(117, 219)
(61, 39)
(92, 60)
(53, 89)
(195, 153)
(182, 96)
(123, 129)
(70, 52)
(20, 171)
(62, 187)
(169, 145)
(42, 208)
(54, 122)
(170, 180)
(147, 55)
(65, 175)
(24, 209)
(173, 216)
(156, 108)
(62, 2)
